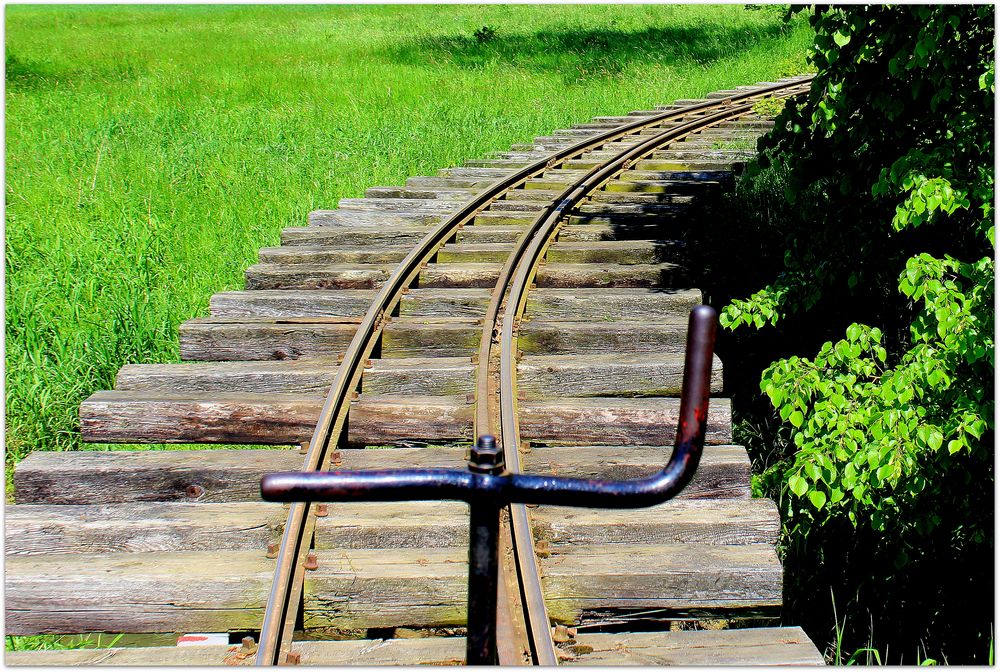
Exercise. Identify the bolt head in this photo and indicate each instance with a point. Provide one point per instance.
(486, 457)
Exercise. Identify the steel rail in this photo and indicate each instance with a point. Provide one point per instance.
(510, 289)
(285, 595)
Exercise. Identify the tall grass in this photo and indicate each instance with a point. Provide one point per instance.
(151, 150)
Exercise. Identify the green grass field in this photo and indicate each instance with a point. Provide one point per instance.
(152, 150)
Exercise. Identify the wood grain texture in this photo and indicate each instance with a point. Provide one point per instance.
(609, 275)
(608, 375)
(399, 205)
(32, 529)
(365, 588)
(750, 646)
(724, 471)
(464, 302)
(292, 303)
(316, 276)
(540, 377)
(367, 652)
(695, 521)
(219, 339)
(610, 305)
(105, 477)
(373, 219)
(95, 477)
(420, 376)
(392, 525)
(139, 416)
(313, 376)
(685, 578)
(359, 235)
(466, 274)
(551, 337)
(431, 337)
(334, 254)
(362, 588)
(255, 339)
(195, 591)
(603, 420)
(463, 192)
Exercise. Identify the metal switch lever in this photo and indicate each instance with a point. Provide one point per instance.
(487, 488)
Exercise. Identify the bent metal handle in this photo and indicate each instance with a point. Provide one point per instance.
(438, 484)
(487, 488)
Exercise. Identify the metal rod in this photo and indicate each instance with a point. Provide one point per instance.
(487, 489)
(484, 536)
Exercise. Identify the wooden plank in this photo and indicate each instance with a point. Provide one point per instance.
(311, 375)
(609, 252)
(364, 588)
(254, 339)
(556, 275)
(682, 578)
(367, 652)
(107, 477)
(33, 529)
(606, 375)
(215, 339)
(316, 276)
(696, 521)
(420, 376)
(333, 254)
(540, 377)
(744, 647)
(417, 190)
(393, 525)
(194, 591)
(232, 475)
(138, 416)
(292, 303)
(374, 219)
(543, 337)
(204, 476)
(597, 421)
(430, 337)
(382, 420)
(396, 205)
(610, 305)
(347, 235)
(468, 274)
(141, 416)
(369, 588)
(724, 471)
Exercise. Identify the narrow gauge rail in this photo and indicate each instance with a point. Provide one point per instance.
(528, 636)
(532, 638)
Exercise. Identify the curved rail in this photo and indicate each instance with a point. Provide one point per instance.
(514, 279)
(286, 589)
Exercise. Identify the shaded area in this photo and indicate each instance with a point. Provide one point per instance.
(934, 602)
(586, 53)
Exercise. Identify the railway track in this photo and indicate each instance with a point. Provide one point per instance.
(536, 296)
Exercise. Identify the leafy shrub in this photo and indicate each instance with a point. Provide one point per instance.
(891, 421)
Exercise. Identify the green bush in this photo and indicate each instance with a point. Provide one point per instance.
(888, 468)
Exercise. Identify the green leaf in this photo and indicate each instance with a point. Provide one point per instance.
(798, 485)
(796, 418)
(841, 39)
(817, 498)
